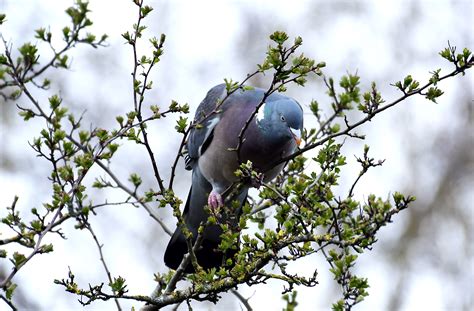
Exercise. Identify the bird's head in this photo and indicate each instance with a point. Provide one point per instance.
(281, 120)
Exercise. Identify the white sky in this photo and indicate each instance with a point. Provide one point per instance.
(203, 47)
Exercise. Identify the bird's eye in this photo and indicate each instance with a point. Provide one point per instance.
(282, 117)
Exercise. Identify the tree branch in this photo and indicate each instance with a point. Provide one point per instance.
(243, 300)
(370, 116)
(88, 226)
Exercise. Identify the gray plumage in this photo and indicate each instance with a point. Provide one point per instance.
(272, 134)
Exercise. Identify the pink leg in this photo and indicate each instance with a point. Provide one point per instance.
(215, 200)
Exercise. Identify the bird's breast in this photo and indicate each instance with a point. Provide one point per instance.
(220, 160)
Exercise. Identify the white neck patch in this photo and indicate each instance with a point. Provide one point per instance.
(260, 113)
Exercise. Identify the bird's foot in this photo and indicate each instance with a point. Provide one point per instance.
(215, 200)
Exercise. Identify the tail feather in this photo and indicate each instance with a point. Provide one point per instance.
(208, 255)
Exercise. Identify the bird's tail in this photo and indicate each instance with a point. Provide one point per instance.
(208, 255)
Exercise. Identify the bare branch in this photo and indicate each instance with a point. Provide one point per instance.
(8, 302)
(243, 300)
(368, 117)
(88, 226)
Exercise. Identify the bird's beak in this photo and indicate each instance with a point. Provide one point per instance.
(296, 136)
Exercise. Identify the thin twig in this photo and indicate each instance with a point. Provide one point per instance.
(176, 306)
(138, 97)
(102, 259)
(134, 195)
(243, 300)
(337, 111)
(365, 119)
(74, 185)
(8, 302)
(35, 251)
(58, 213)
(179, 154)
(98, 162)
(184, 263)
(230, 282)
(171, 286)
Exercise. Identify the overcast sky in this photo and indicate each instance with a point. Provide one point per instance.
(208, 41)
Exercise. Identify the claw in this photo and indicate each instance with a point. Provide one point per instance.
(215, 200)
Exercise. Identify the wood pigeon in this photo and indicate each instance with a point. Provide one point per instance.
(273, 133)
